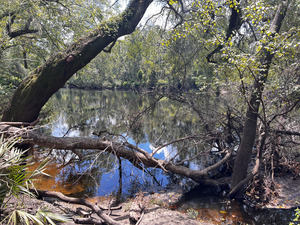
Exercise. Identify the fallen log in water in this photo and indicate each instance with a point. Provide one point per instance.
(137, 156)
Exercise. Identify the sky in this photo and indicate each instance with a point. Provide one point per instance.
(153, 9)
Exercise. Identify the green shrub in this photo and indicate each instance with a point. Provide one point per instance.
(15, 180)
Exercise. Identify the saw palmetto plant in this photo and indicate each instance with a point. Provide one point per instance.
(15, 180)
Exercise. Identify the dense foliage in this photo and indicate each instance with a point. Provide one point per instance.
(33, 30)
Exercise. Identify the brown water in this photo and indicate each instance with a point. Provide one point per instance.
(82, 113)
(221, 210)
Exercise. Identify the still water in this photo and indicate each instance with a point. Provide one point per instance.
(90, 113)
(78, 113)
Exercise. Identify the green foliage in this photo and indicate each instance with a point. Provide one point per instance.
(12, 169)
(18, 217)
(33, 30)
(16, 180)
(14, 177)
(135, 59)
(297, 217)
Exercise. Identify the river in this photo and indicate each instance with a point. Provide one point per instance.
(103, 113)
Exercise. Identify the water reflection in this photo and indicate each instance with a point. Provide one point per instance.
(79, 113)
(102, 113)
(222, 210)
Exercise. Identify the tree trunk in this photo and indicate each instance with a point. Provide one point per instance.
(138, 157)
(249, 132)
(37, 88)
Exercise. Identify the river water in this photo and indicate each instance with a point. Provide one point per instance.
(103, 113)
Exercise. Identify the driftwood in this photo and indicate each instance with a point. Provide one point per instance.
(137, 209)
(132, 153)
(137, 156)
(81, 201)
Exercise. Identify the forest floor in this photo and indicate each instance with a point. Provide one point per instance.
(157, 206)
(157, 209)
(288, 189)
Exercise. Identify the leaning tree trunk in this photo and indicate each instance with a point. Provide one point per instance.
(36, 89)
(249, 132)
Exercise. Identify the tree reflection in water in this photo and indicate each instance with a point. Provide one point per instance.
(89, 113)
(102, 113)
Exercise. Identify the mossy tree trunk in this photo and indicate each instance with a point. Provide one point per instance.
(42, 83)
(249, 132)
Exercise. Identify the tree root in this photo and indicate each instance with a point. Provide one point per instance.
(81, 201)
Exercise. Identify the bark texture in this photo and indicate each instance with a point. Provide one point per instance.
(80, 201)
(37, 88)
(249, 132)
(138, 157)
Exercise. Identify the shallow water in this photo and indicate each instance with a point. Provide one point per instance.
(221, 210)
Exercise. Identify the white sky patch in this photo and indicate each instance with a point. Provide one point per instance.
(168, 151)
(154, 8)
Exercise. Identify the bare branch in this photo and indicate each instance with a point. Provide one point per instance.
(172, 142)
(20, 32)
(287, 132)
(80, 201)
(140, 114)
(176, 13)
(90, 220)
(21, 123)
(132, 153)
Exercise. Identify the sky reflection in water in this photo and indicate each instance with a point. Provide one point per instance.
(90, 177)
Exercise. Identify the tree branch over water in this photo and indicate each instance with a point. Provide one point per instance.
(135, 155)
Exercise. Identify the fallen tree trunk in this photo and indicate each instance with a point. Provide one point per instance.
(138, 157)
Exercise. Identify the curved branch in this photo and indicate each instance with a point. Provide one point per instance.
(176, 13)
(110, 47)
(19, 32)
(80, 201)
(135, 155)
(235, 23)
(33, 93)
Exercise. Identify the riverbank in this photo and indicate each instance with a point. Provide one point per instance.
(155, 208)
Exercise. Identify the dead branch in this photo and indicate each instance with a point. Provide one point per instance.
(80, 201)
(140, 114)
(90, 220)
(218, 164)
(125, 150)
(287, 132)
(172, 142)
(25, 124)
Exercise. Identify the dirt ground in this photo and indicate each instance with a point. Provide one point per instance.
(156, 209)
(288, 189)
(157, 206)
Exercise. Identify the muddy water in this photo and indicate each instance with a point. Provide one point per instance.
(220, 210)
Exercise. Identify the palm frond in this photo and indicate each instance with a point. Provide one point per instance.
(19, 217)
(50, 217)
